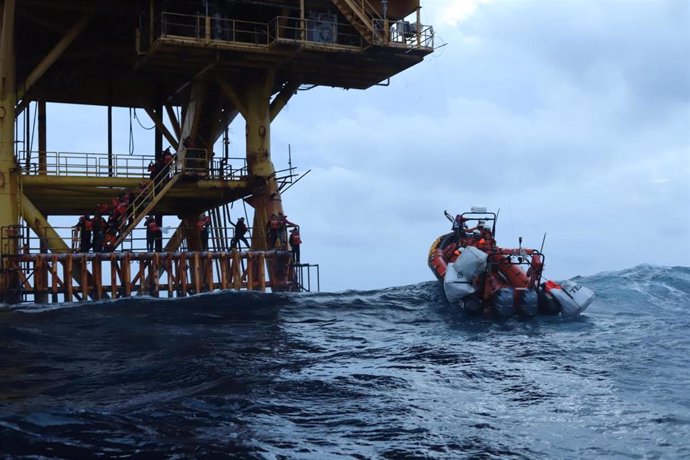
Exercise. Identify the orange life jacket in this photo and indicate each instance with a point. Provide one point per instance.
(295, 240)
(551, 285)
(274, 223)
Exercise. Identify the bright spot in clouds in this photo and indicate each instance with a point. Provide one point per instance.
(453, 12)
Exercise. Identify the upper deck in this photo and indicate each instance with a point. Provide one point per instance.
(131, 53)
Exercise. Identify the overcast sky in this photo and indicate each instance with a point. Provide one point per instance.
(572, 117)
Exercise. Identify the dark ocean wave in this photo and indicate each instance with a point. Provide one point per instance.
(391, 373)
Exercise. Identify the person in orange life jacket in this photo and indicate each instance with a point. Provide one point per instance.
(283, 224)
(478, 229)
(240, 230)
(295, 242)
(84, 226)
(98, 225)
(272, 230)
(167, 163)
(121, 211)
(153, 233)
(203, 225)
(154, 168)
(460, 227)
(167, 156)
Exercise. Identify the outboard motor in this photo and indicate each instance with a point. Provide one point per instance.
(573, 297)
(527, 302)
(472, 305)
(548, 305)
(503, 302)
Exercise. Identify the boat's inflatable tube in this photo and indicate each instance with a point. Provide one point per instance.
(573, 297)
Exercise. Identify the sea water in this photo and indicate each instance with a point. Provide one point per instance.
(392, 373)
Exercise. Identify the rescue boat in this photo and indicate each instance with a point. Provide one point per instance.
(482, 277)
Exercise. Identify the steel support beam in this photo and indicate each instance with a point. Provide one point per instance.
(191, 118)
(160, 126)
(49, 60)
(282, 98)
(39, 224)
(173, 120)
(9, 173)
(50, 239)
(266, 197)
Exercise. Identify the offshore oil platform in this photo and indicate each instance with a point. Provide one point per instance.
(192, 66)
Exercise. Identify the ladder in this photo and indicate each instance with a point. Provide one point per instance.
(363, 17)
(147, 198)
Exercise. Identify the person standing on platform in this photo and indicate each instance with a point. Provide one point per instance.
(283, 224)
(84, 228)
(203, 226)
(98, 228)
(240, 231)
(152, 232)
(295, 242)
(272, 230)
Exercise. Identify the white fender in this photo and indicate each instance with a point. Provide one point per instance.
(456, 286)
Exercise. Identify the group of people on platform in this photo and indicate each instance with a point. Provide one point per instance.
(162, 162)
(99, 234)
(276, 232)
(96, 232)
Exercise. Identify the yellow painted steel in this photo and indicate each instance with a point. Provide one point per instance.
(9, 183)
(212, 68)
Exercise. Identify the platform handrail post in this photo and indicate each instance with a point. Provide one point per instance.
(84, 279)
(250, 271)
(223, 271)
(126, 274)
(236, 270)
(113, 275)
(55, 279)
(262, 272)
(182, 273)
(67, 277)
(153, 273)
(169, 270)
(97, 279)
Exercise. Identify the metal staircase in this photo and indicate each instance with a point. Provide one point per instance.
(363, 17)
(146, 199)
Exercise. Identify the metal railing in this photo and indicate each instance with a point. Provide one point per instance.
(408, 34)
(56, 278)
(281, 29)
(25, 240)
(90, 164)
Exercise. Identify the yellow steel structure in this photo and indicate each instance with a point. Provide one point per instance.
(205, 59)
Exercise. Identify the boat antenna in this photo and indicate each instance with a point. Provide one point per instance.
(541, 249)
(493, 230)
(448, 216)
